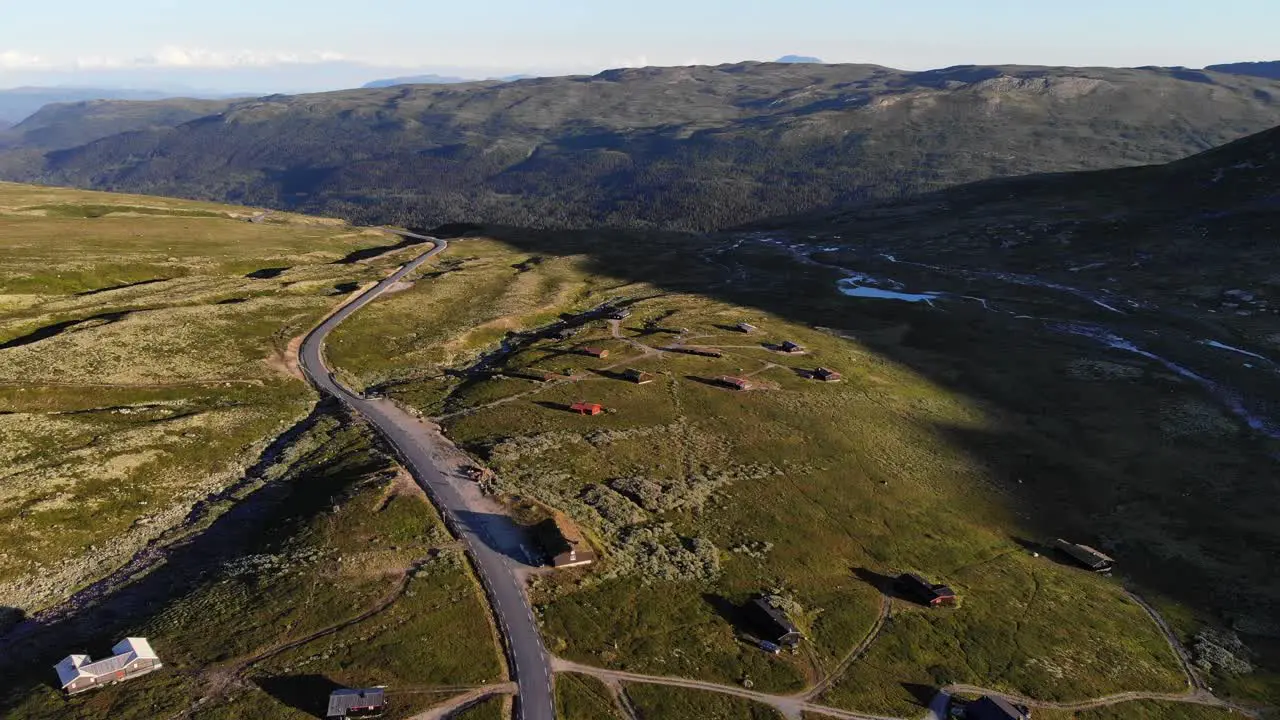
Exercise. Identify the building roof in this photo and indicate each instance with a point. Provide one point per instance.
(1083, 553)
(69, 668)
(586, 407)
(343, 701)
(827, 373)
(788, 345)
(127, 651)
(741, 383)
(993, 708)
(136, 645)
(777, 616)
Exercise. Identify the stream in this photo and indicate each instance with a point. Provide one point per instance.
(862, 285)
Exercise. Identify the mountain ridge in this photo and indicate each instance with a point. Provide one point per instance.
(690, 148)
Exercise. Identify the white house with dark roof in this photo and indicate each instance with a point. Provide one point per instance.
(133, 657)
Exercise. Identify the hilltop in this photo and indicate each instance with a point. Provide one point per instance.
(57, 126)
(690, 148)
(1269, 70)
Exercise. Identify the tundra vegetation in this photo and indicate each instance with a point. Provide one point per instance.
(939, 452)
(330, 575)
(149, 409)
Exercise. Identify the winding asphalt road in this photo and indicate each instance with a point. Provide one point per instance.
(483, 534)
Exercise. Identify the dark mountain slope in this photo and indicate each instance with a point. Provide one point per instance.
(1269, 70)
(66, 125)
(1183, 232)
(689, 148)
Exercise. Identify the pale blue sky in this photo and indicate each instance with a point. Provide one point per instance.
(473, 36)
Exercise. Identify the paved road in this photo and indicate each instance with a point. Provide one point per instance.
(530, 666)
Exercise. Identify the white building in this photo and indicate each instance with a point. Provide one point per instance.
(133, 657)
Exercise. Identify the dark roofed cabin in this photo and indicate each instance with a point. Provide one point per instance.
(995, 708)
(351, 703)
(774, 624)
(1085, 556)
(736, 383)
(916, 587)
(583, 408)
(637, 376)
(827, 375)
(595, 352)
(790, 347)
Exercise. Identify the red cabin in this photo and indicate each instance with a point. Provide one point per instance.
(583, 408)
(595, 352)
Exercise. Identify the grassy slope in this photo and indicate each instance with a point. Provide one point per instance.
(868, 474)
(337, 534)
(656, 702)
(579, 697)
(127, 405)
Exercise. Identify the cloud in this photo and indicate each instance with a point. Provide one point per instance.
(169, 56)
(13, 59)
(175, 56)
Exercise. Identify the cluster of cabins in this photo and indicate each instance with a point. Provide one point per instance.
(134, 657)
(639, 377)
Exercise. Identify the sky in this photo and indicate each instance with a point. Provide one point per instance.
(319, 44)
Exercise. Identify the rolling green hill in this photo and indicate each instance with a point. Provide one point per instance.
(63, 125)
(693, 148)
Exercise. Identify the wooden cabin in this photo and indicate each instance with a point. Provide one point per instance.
(133, 657)
(917, 588)
(773, 624)
(790, 347)
(989, 707)
(1085, 556)
(735, 383)
(595, 352)
(827, 375)
(747, 328)
(353, 703)
(583, 408)
(638, 377)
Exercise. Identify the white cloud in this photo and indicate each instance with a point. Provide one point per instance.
(175, 56)
(13, 59)
(169, 56)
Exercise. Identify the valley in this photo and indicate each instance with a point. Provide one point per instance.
(689, 148)
(753, 391)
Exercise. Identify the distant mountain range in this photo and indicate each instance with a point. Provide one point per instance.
(19, 103)
(692, 148)
(417, 80)
(799, 59)
(437, 80)
(1269, 70)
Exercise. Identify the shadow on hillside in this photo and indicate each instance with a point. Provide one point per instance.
(267, 273)
(922, 694)
(305, 693)
(1073, 461)
(104, 612)
(502, 535)
(125, 286)
(56, 329)
(378, 251)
